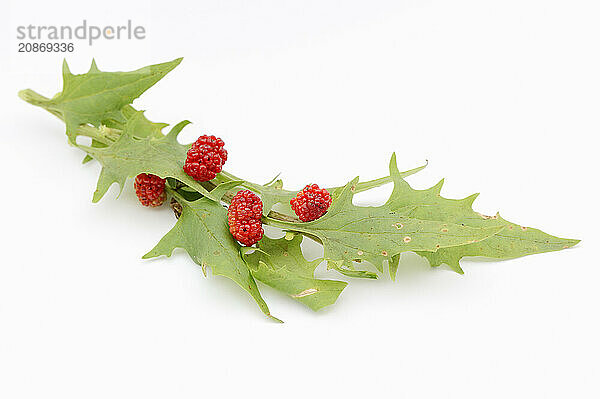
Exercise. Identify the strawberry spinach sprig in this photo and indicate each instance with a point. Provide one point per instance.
(221, 217)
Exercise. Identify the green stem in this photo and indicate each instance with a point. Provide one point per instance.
(38, 100)
(228, 196)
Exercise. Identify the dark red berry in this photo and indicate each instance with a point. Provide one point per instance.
(150, 189)
(311, 203)
(205, 158)
(244, 216)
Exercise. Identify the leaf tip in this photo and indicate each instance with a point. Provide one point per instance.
(155, 253)
(571, 242)
(393, 166)
(65, 69)
(393, 266)
(455, 266)
(275, 319)
(93, 67)
(437, 188)
(97, 197)
(471, 198)
(175, 130)
(172, 64)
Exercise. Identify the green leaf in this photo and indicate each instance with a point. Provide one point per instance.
(130, 156)
(282, 265)
(96, 96)
(202, 231)
(376, 234)
(511, 241)
(139, 126)
(393, 265)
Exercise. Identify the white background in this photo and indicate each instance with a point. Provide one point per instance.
(501, 97)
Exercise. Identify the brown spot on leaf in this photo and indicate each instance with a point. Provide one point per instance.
(407, 239)
(444, 230)
(487, 217)
(360, 253)
(384, 253)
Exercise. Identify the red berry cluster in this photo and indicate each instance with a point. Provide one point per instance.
(206, 158)
(311, 203)
(150, 189)
(244, 216)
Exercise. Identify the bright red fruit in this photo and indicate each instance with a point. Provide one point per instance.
(311, 203)
(205, 158)
(243, 217)
(150, 189)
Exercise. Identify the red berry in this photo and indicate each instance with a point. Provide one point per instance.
(244, 216)
(311, 203)
(150, 189)
(206, 158)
